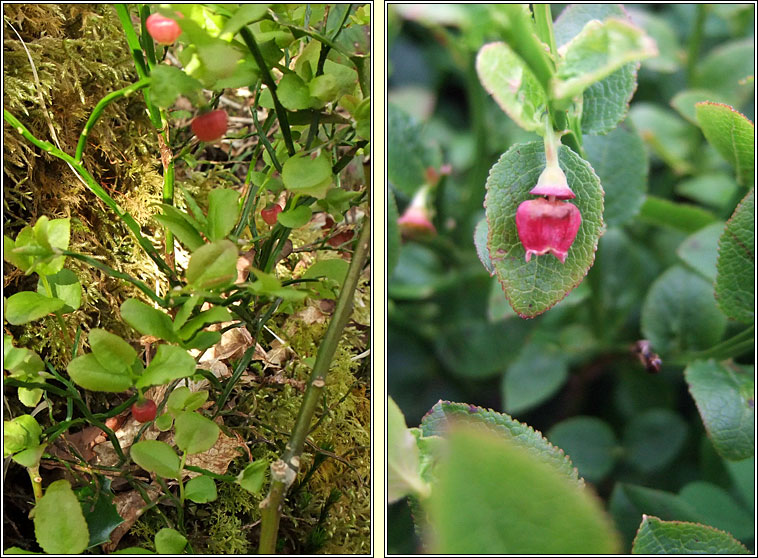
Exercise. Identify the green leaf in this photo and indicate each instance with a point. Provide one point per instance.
(535, 286)
(203, 340)
(194, 432)
(480, 243)
(606, 102)
(168, 82)
(21, 362)
(169, 363)
(99, 511)
(303, 174)
(181, 226)
(716, 190)
(66, 287)
(725, 398)
(681, 216)
(678, 537)
(23, 432)
(169, 541)
(653, 438)
(88, 373)
(28, 306)
(742, 474)
(668, 59)
(296, 217)
(293, 92)
(511, 82)
(223, 211)
(403, 464)
(700, 250)
(474, 349)
(620, 162)
(718, 508)
(596, 52)
(408, 155)
(679, 313)
(494, 497)
(132, 550)
(671, 138)
(148, 320)
(666, 505)
(252, 476)
(21, 261)
(439, 419)
(732, 135)
(59, 525)
(334, 269)
(244, 15)
(684, 102)
(735, 288)
(182, 399)
(211, 316)
(535, 376)
(268, 285)
(112, 353)
(156, 457)
(589, 442)
(29, 397)
(213, 265)
(393, 233)
(201, 489)
(723, 68)
(51, 234)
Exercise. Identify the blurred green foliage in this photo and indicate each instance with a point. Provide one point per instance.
(573, 372)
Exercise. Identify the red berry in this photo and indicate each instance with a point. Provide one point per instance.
(144, 411)
(163, 29)
(210, 126)
(269, 214)
(340, 238)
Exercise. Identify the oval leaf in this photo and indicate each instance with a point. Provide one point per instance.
(509, 80)
(525, 507)
(169, 541)
(735, 289)
(213, 265)
(156, 457)
(195, 433)
(59, 523)
(28, 306)
(732, 135)
(201, 489)
(148, 320)
(679, 537)
(403, 465)
(223, 210)
(169, 363)
(679, 313)
(252, 476)
(536, 286)
(88, 373)
(726, 402)
(113, 353)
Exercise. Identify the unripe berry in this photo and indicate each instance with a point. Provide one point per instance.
(163, 29)
(269, 214)
(144, 411)
(210, 126)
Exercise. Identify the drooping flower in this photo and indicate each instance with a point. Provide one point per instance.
(548, 224)
(416, 220)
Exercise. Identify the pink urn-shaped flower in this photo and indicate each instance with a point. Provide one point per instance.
(416, 222)
(548, 224)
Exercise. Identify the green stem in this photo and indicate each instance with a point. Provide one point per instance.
(696, 38)
(284, 470)
(98, 190)
(281, 113)
(117, 274)
(732, 347)
(543, 19)
(139, 60)
(36, 481)
(519, 32)
(98, 110)
(181, 483)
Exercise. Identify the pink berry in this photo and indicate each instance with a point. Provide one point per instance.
(144, 411)
(163, 29)
(210, 126)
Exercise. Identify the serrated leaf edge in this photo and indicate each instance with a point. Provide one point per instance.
(645, 517)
